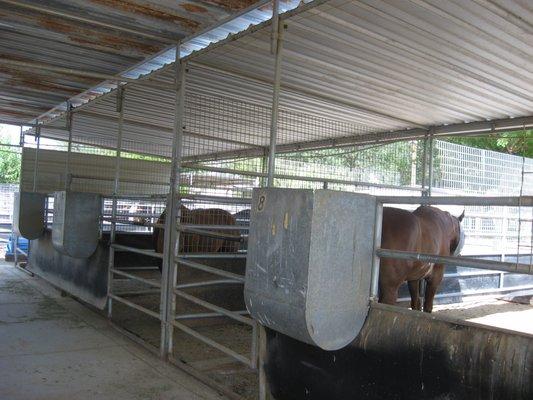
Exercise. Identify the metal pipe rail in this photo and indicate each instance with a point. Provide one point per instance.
(133, 223)
(145, 252)
(250, 362)
(207, 283)
(215, 235)
(136, 278)
(206, 315)
(224, 227)
(516, 201)
(154, 197)
(217, 199)
(216, 256)
(205, 268)
(214, 308)
(458, 261)
(137, 181)
(135, 306)
(302, 178)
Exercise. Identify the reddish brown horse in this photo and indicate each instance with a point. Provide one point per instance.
(425, 230)
(196, 243)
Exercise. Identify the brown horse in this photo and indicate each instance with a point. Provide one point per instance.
(425, 230)
(196, 243)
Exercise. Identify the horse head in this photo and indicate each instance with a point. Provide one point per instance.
(458, 238)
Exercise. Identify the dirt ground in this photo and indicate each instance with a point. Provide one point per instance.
(491, 311)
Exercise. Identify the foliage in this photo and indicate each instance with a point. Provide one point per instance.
(516, 143)
(9, 163)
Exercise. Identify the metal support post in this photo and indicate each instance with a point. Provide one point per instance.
(69, 148)
(169, 271)
(275, 107)
(430, 162)
(424, 162)
(277, 49)
(378, 220)
(36, 160)
(112, 233)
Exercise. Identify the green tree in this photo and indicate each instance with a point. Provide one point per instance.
(9, 163)
(516, 143)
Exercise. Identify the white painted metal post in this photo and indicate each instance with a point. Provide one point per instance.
(69, 148)
(169, 272)
(112, 233)
(275, 107)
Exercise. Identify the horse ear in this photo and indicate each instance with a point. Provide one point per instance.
(460, 217)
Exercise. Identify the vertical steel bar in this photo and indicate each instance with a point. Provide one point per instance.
(275, 27)
(430, 162)
(169, 273)
(36, 160)
(112, 232)
(424, 162)
(69, 148)
(378, 220)
(264, 393)
(275, 107)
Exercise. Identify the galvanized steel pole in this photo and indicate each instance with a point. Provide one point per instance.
(378, 223)
(430, 161)
(36, 160)
(171, 247)
(275, 107)
(112, 233)
(69, 148)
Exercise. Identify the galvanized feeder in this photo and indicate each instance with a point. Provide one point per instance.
(309, 263)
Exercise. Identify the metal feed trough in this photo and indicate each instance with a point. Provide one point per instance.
(310, 83)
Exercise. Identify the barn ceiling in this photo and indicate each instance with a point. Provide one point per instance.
(103, 37)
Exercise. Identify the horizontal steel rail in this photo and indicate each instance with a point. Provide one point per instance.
(205, 268)
(458, 261)
(524, 201)
(225, 227)
(224, 349)
(217, 199)
(476, 292)
(153, 197)
(211, 234)
(136, 278)
(206, 315)
(302, 178)
(136, 181)
(135, 306)
(119, 221)
(137, 292)
(145, 252)
(207, 283)
(214, 308)
(217, 256)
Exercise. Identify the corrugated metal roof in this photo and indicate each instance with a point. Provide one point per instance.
(104, 36)
(368, 66)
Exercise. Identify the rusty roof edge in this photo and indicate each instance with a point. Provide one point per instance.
(107, 87)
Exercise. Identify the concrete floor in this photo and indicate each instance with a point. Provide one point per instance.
(52, 347)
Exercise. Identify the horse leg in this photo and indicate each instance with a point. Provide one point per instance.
(433, 283)
(414, 291)
(388, 294)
